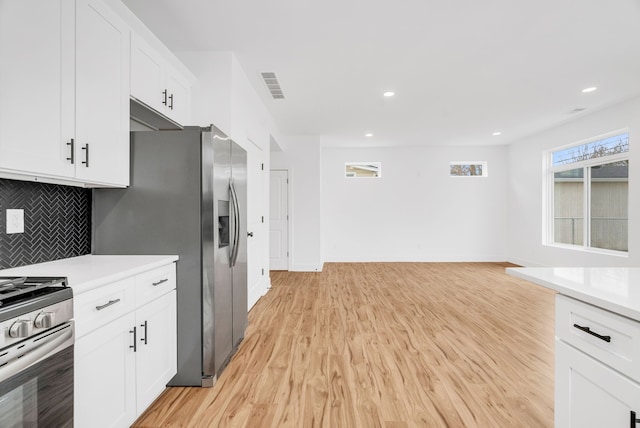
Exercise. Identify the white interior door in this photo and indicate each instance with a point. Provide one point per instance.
(279, 220)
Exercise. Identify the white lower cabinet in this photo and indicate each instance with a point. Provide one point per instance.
(590, 394)
(104, 386)
(125, 363)
(156, 353)
(588, 391)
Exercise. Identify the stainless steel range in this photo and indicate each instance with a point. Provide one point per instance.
(36, 352)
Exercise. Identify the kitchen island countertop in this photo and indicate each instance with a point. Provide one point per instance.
(614, 289)
(85, 273)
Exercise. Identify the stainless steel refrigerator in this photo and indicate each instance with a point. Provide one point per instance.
(187, 197)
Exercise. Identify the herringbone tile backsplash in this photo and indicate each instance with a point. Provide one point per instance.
(57, 222)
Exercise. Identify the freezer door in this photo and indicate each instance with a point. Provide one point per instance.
(239, 174)
(209, 251)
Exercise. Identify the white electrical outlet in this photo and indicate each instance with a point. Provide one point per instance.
(15, 221)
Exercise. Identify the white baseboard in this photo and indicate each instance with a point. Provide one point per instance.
(258, 290)
(442, 258)
(523, 263)
(307, 267)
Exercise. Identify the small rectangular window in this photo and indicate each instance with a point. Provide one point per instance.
(468, 169)
(363, 169)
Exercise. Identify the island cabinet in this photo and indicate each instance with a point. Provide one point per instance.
(64, 80)
(125, 350)
(597, 367)
(597, 338)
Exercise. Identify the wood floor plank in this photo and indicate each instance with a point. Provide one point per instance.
(383, 345)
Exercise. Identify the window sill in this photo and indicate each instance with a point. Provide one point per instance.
(600, 251)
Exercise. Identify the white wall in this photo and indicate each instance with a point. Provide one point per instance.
(302, 159)
(415, 211)
(211, 92)
(525, 210)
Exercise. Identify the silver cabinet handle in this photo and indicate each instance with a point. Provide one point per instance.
(144, 339)
(109, 303)
(72, 154)
(135, 344)
(160, 282)
(86, 155)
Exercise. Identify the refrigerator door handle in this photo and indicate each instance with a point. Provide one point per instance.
(236, 223)
(236, 209)
(232, 223)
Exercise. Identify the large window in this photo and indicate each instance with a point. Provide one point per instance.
(589, 187)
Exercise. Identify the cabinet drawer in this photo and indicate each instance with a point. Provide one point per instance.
(153, 284)
(608, 337)
(98, 307)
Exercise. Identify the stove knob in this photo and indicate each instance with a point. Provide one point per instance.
(19, 328)
(44, 320)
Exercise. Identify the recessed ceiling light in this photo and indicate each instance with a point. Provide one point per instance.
(368, 135)
(590, 89)
(497, 133)
(389, 94)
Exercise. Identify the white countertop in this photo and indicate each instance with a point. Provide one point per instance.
(87, 272)
(614, 289)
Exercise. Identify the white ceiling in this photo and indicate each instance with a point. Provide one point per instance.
(461, 69)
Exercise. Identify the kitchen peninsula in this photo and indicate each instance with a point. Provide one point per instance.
(597, 355)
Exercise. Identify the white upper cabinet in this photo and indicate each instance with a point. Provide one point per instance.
(64, 82)
(179, 89)
(37, 86)
(147, 75)
(102, 89)
(157, 84)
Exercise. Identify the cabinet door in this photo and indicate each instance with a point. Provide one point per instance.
(147, 75)
(156, 359)
(102, 95)
(590, 394)
(178, 106)
(104, 372)
(37, 84)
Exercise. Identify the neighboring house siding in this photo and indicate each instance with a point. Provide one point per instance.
(609, 214)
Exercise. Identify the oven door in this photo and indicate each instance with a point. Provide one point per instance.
(36, 380)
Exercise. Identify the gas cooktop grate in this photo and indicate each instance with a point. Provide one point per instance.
(17, 289)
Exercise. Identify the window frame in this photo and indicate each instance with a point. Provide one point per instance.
(548, 237)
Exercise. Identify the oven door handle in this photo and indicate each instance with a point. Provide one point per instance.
(22, 356)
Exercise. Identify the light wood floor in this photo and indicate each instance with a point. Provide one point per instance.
(384, 345)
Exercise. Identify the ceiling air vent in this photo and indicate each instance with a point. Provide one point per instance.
(273, 85)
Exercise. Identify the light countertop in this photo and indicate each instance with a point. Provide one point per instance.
(614, 289)
(87, 272)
